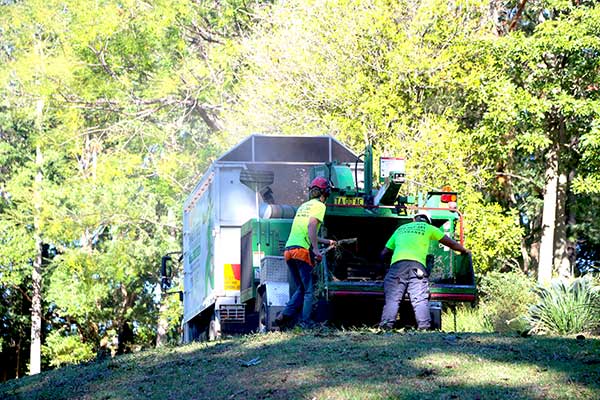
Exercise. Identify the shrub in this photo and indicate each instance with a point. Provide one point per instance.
(565, 308)
(596, 304)
(468, 319)
(505, 300)
(63, 349)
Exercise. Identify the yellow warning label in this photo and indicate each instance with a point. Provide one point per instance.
(232, 276)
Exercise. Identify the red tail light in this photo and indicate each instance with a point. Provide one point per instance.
(448, 197)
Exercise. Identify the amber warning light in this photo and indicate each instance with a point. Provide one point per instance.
(448, 196)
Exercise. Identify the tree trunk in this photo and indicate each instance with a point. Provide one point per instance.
(162, 330)
(125, 334)
(549, 216)
(36, 273)
(562, 262)
(163, 323)
(562, 246)
(35, 351)
(18, 358)
(534, 251)
(571, 221)
(525, 256)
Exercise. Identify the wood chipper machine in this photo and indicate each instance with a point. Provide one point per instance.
(349, 288)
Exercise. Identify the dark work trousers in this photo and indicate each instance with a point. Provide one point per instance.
(404, 276)
(302, 299)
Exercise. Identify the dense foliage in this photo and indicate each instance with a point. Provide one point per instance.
(393, 76)
(109, 113)
(505, 301)
(111, 110)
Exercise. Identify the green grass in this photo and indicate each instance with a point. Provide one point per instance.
(465, 319)
(360, 364)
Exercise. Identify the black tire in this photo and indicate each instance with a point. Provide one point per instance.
(212, 332)
(321, 311)
(203, 334)
(263, 316)
(436, 318)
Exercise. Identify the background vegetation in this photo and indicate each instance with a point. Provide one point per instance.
(111, 110)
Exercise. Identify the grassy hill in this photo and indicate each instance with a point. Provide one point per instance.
(327, 364)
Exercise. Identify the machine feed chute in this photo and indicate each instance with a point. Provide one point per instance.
(392, 175)
(259, 182)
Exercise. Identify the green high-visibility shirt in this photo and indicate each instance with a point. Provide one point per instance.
(299, 232)
(411, 241)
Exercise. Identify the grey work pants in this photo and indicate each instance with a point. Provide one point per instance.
(403, 276)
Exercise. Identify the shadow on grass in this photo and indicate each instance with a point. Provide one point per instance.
(336, 365)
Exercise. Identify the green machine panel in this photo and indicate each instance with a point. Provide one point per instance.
(356, 270)
(260, 238)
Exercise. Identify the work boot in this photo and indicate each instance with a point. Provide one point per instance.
(386, 326)
(281, 320)
(307, 325)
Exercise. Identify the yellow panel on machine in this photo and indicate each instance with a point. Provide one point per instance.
(348, 201)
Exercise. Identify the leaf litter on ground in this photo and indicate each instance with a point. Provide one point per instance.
(336, 364)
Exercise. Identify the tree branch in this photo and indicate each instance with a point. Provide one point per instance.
(517, 17)
(499, 173)
(100, 56)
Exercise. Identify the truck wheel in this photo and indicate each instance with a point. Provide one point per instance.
(263, 315)
(214, 329)
(435, 311)
(203, 337)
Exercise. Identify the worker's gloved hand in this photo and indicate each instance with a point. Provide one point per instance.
(318, 256)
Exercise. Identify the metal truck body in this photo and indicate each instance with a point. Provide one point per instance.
(263, 176)
(351, 279)
(211, 224)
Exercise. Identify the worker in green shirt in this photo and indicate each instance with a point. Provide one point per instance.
(408, 247)
(302, 251)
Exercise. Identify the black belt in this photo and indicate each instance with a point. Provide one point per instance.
(294, 247)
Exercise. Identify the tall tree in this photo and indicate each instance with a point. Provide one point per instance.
(131, 102)
(540, 103)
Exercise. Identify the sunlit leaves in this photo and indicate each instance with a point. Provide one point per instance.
(62, 349)
(395, 74)
(130, 96)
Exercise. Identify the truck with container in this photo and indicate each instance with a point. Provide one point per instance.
(237, 219)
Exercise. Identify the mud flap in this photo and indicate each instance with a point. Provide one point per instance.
(321, 311)
(435, 312)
